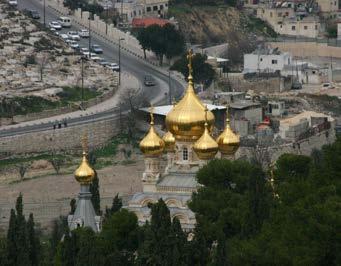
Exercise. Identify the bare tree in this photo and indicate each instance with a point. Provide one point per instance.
(42, 61)
(57, 163)
(22, 169)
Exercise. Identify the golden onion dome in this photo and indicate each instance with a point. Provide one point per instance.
(152, 144)
(84, 174)
(186, 121)
(228, 141)
(169, 140)
(205, 147)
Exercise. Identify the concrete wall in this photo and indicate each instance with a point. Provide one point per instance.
(308, 49)
(61, 139)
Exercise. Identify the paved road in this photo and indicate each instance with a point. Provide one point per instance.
(129, 63)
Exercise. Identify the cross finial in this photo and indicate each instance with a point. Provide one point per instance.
(227, 114)
(85, 143)
(206, 110)
(151, 110)
(190, 61)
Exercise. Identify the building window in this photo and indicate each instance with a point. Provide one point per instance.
(314, 72)
(261, 59)
(274, 62)
(149, 9)
(315, 27)
(185, 154)
(166, 4)
(286, 13)
(293, 27)
(270, 14)
(305, 27)
(154, 8)
(161, 7)
(279, 14)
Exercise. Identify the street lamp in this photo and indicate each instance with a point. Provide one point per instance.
(89, 29)
(170, 88)
(44, 14)
(106, 19)
(119, 60)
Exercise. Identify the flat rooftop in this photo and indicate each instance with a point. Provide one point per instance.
(165, 109)
(244, 105)
(306, 114)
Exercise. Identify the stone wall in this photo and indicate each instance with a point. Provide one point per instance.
(99, 132)
(308, 49)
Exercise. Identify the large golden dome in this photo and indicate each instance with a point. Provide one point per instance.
(228, 141)
(169, 140)
(205, 147)
(186, 121)
(152, 145)
(84, 174)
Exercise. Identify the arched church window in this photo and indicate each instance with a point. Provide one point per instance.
(185, 154)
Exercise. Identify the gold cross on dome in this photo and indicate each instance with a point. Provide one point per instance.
(85, 143)
(190, 61)
(151, 110)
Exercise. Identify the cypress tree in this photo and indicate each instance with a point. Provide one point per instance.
(11, 239)
(72, 206)
(178, 243)
(34, 247)
(115, 207)
(95, 196)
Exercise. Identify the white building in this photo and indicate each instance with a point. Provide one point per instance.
(307, 27)
(266, 61)
(130, 9)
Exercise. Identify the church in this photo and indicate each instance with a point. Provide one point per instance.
(188, 145)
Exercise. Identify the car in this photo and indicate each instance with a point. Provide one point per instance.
(73, 35)
(103, 62)
(296, 85)
(84, 33)
(149, 81)
(96, 58)
(96, 49)
(64, 36)
(65, 22)
(32, 13)
(73, 44)
(84, 51)
(55, 25)
(88, 55)
(327, 85)
(113, 67)
(13, 2)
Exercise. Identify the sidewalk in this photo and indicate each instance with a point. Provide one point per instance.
(127, 81)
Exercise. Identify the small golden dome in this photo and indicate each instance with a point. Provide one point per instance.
(228, 141)
(84, 173)
(169, 140)
(186, 121)
(152, 144)
(205, 147)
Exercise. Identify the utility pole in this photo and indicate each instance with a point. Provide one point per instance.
(119, 59)
(89, 29)
(44, 14)
(106, 19)
(82, 73)
(170, 88)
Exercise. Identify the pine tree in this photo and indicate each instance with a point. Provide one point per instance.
(34, 247)
(178, 243)
(95, 196)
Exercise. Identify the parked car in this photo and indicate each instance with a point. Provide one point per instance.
(96, 49)
(84, 51)
(84, 33)
(296, 85)
(64, 37)
(149, 81)
(327, 85)
(13, 2)
(73, 35)
(55, 25)
(73, 44)
(32, 13)
(114, 67)
(103, 62)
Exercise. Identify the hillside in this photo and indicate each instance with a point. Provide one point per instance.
(210, 25)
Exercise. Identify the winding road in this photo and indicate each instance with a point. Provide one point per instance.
(129, 63)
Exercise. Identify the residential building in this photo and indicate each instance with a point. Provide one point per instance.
(130, 9)
(328, 5)
(266, 60)
(306, 27)
(276, 108)
(275, 15)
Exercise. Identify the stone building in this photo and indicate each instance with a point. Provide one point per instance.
(301, 27)
(188, 145)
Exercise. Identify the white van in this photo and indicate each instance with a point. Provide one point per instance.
(65, 21)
